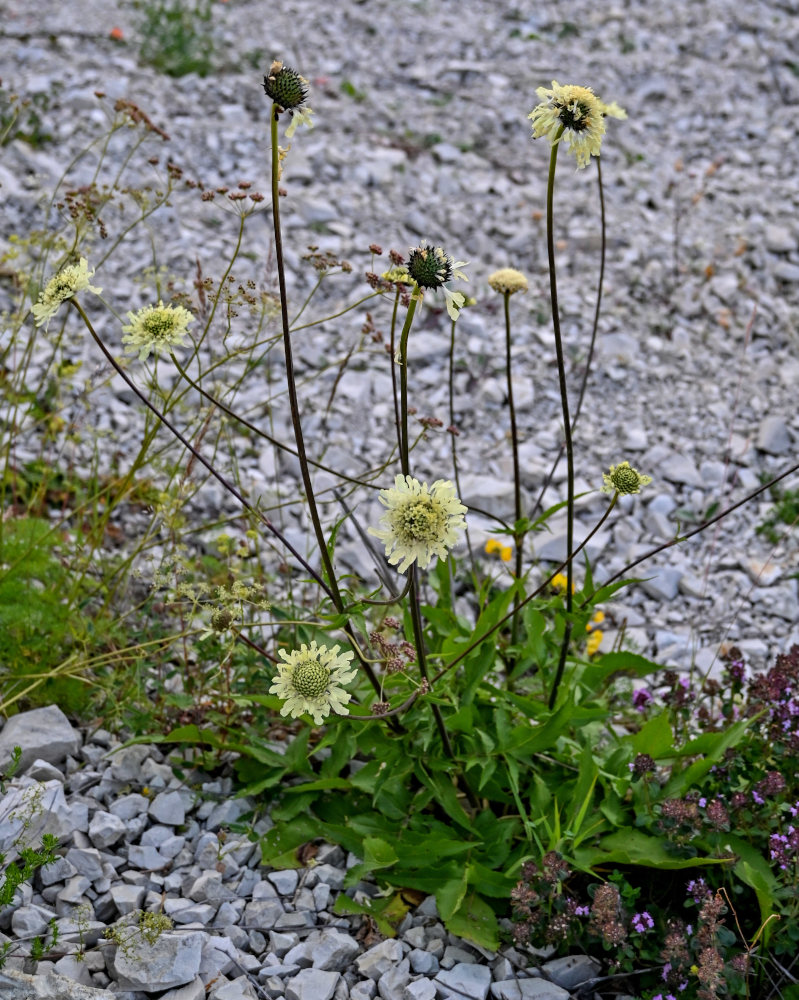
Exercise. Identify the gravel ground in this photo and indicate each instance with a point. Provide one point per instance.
(422, 134)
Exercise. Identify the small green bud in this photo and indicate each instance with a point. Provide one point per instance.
(285, 86)
(429, 266)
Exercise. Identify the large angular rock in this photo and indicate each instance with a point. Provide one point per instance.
(32, 808)
(43, 733)
(172, 960)
(528, 989)
(464, 980)
(18, 986)
(312, 984)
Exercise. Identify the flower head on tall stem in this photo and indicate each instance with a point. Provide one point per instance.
(575, 114)
(69, 281)
(430, 267)
(156, 328)
(623, 479)
(507, 281)
(289, 91)
(420, 521)
(309, 681)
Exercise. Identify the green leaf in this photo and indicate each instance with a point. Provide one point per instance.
(475, 921)
(715, 745)
(346, 906)
(450, 896)
(316, 786)
(655, 737)
(634, 847)
(379, 853)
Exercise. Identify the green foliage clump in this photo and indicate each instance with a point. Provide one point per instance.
(176, 36)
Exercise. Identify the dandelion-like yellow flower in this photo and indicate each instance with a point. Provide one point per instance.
(507, 281)
(420, 521)
(575, 114)
(623, 479)
(493, 547)
(430, 267)
(559, 582)
(309, 681)
(156, 328)
(594, 642)
(62, 286)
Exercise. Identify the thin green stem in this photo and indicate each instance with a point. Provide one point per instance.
(518, 537)
(292, 388)
(453, 442)
(567, 429)
(403, 361)
(222, 480)
(488, 632)
(594, 329)
(332, 587)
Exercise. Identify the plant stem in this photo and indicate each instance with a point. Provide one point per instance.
(291, 385)
(402, 430)
(488, 632)
(452, 432)
(518, 537)
(594, 329)
(567, 429)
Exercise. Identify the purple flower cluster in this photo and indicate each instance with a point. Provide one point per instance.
(784, 847)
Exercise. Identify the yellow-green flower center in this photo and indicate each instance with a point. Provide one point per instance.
(310, 678)
(625, 479)
(159, 324)
(420, 520)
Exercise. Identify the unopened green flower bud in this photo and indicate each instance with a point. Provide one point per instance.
(429, 266)
(285, 86)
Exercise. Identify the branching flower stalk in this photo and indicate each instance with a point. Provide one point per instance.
(222, 480)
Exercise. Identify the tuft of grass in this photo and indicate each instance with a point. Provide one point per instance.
(784, 512)
(177, 37)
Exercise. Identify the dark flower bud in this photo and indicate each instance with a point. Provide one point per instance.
(285, 86)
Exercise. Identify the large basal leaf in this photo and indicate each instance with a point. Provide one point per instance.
(633, 847)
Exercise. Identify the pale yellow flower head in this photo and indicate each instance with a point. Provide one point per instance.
(574, 114)
(623, 479)
(69, 281)
(420, 521)
(507, 281)
(308, 681)
(156, 328)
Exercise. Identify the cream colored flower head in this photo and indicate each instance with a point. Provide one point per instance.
(156, 328)
(308, 681)
(507, 281)
(575, 114)
(430, 267)
(623, 479)
(70, 279)
(420, 521)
